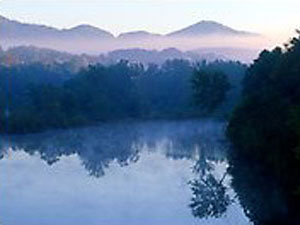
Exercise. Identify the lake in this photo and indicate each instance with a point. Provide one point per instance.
(132, 173)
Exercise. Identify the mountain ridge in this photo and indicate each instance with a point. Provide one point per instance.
(14, 28)
(90, 39)
(208, 27)
(202, 28)
(138, 34)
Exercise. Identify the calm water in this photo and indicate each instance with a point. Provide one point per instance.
(133, 173)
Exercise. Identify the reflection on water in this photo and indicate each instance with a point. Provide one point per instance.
(210, 197)
(264, 201)
(162, 172)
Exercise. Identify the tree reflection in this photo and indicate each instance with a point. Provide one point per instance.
(264, 201)
(209, 197)
(98, 147)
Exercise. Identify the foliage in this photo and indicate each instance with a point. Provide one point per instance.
(36, 97)
(210, 198)
(265, 125)
(210, 89)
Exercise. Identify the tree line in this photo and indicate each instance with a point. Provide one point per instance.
(36, 97)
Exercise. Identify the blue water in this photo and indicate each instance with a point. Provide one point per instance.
(125, 173)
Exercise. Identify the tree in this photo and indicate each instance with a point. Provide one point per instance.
(265, 125)
(210, 88)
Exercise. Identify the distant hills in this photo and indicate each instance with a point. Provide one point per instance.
(138, 35)
(16, 30)
(86, 32)
(11, 29)
(205, 28)
(31, 54)
(93, 40)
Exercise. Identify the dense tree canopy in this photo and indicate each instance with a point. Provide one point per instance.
(36, 97)
(265, 125)
(210, 89)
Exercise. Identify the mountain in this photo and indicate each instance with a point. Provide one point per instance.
(11, 29)
(92, 40)
(86, 32)
(14, 30)
(204, 28)
(138, 35)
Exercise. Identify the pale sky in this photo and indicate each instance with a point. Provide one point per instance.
(277, 18)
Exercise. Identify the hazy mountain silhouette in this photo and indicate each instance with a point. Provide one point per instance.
(11, 29)
(92, 40)
(138, 35)
(204, 28)
(86, 31)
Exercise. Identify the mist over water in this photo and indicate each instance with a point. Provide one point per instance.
(103, 122)
(117, 173)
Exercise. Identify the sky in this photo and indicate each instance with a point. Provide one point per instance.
(275, 18)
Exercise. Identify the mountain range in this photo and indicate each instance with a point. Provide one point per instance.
(15, 29)
(93, 40)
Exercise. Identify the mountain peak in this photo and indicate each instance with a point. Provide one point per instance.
(137, 34)
(206, 27)
(211, 22)
(84, 27)
(88, 30)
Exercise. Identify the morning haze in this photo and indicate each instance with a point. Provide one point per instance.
(93, 40)
(149, 112)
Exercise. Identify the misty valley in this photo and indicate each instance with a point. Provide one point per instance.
(199, 125)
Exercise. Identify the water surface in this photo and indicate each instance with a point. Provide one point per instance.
(132, 173)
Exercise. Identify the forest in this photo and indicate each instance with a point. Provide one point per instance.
(36, 97)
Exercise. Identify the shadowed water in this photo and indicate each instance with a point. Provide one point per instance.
(129, 173)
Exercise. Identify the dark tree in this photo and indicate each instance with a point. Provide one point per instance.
(265, 125)
(209, 89)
